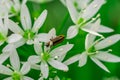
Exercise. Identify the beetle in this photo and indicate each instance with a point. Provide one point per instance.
(55, 41)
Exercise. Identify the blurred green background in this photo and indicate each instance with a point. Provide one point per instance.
(59, 18)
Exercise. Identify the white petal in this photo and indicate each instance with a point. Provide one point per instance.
(82, 4)
(8, 48)
(17, 4)
(9, 78)
(101, 65)
(52, 33)
(93, 26)
(72, 32)
(104, 29)
(30, 42)
(83, 59)
(25, 17)
(39, 22)
(3, 57)
(15, 28)
(43, 37)
(14, 38)
(96, 26)
(61, 58)
(38, 47)
(25, 68)
(92, 9)
(59, 51)
(34, 59)
(5, 27)
(72, 10)
(41, 78)
(107, 57)
(24, 1)
(72, 59)
(58, 65)
(19, 43)
(35, 66)
(5, 70)
(107, 42)
(92, 32)
(14, 60)
(27, 78)
(44, 69)
(89, 40)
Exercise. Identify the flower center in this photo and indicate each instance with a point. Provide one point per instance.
(12, 9)
(80, 20)
(16, 76)
(91, 50)
(2, 37)
(45, 56)
(28, 34)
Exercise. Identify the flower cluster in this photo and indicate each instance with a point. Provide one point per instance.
(84, 15)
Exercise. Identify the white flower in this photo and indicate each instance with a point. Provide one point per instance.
(95, 52)
(41, 1)
(45, 57)
(3, 30)
(12, 7)
(14, 71)
(85, 13)
(91, 27)
(29, 33)
(81, 16)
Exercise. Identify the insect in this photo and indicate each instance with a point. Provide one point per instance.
(55, 41)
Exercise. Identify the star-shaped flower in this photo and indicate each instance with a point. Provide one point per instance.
(28, 33)
(12, 7)
(45, 57)
(82, 17)
(14, 71)
(91, 27)
(95, 52)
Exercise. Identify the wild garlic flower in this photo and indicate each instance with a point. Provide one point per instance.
(45, 57)
(82, 16)
(28, 33)
(41, 1)
(12, 7)
(95, 52)
(14, 70)
(3, 30)
(93, 27)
